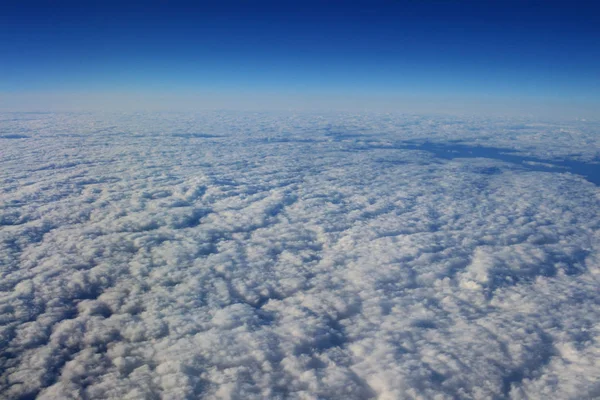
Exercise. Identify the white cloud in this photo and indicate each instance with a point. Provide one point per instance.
(294, 256)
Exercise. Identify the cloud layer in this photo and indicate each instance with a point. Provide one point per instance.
(240, 256)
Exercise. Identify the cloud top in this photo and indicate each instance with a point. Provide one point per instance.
(294, 256)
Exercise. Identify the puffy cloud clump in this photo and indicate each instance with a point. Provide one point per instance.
(252, 256)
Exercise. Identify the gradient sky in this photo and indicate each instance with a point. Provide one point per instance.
(507, 53)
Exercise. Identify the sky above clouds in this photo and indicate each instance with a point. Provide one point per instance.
(299, 200)
(505, 56)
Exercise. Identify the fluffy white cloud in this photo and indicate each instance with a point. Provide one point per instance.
(295, 256)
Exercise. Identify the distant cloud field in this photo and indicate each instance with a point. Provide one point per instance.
(297, 256)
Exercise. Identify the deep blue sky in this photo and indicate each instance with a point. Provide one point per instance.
(506, 50)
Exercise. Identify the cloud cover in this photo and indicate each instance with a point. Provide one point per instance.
(231, 255)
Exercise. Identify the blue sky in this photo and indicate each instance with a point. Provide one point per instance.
(504, 52)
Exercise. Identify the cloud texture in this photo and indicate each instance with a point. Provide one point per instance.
(251, 256)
